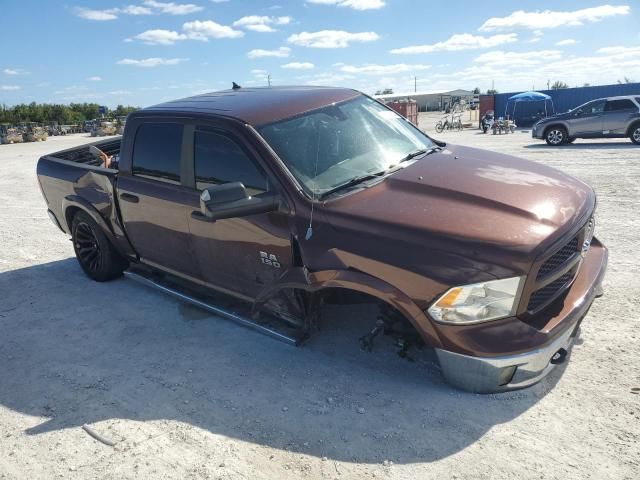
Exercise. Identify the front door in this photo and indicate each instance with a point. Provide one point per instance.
(238, 255)
(155, 207)
(587, 120)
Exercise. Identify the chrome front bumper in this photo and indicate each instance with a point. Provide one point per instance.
(509, 372)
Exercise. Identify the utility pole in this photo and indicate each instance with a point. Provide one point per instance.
(415, 84)
(548, 84)
(269, 79)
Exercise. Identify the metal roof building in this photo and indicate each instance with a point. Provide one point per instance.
(429, 101)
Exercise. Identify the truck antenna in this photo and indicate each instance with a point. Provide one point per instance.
(235, 86)
(313, 198)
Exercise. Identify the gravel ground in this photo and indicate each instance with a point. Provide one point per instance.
(187, 395)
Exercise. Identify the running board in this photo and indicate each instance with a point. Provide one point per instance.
(229, 315)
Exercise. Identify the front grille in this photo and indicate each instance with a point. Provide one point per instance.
(545, 294)
(551, 270)
(559, 258)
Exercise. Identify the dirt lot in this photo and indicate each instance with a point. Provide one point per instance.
(187, 395)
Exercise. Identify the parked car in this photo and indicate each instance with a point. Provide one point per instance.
(283, 196)
(104, 128)
(11, 135)
(35, 133)
(615, 117)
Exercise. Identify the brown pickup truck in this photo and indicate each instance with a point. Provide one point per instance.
(283, 198)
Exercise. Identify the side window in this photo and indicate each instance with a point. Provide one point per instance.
(595, 107)
(218, 160)
(157, 151)
(619, 105)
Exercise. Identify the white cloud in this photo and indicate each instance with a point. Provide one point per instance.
(568, 41)
(95, 78)
(551, 19)
(15, 71)
(330, 38)
(499, 58)
(373, 69)
(120, 92)
(160, 37)
(136, 10)
(98, 15)
(620, 51)
(203, 30)
(261, 23)
(196, 30)
(174, 8)
(281, 52)
(8, 88)
(149, 7)
(355, 4)
(460, 41)
(299, 66)
(151, 62)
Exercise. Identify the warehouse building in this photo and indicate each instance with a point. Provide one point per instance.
(431, 101)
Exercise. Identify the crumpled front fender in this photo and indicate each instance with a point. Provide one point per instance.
(302, 278)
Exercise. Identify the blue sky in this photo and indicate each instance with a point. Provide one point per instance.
(141, 52)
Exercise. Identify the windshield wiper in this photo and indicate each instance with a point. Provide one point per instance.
(417, 153)
(351, 183)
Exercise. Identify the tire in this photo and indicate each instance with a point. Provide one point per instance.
(634, 134)
(439, 127)
(555, 136)
(95, 254)
(571, 139)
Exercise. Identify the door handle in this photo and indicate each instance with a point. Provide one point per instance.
(127, 197)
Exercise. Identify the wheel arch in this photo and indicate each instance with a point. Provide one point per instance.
(632, 126)
(556, 125)
(72, 204)
(354, 281)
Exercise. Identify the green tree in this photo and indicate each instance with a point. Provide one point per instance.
(492, 91)
(56, 113)
(559, 85)
(476, 91)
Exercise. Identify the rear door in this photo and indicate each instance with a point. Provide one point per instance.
(154, 204)
(587, 120)
(616, 117)
(239, 255)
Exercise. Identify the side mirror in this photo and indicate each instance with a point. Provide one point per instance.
(578, 112)
(230, 200)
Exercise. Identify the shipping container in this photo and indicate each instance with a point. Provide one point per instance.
(406, 108)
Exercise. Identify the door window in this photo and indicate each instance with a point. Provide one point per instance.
(157, 152)
(218, 159)
(592, 108)
(619, 105)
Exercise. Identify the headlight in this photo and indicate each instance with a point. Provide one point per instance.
(478, 302)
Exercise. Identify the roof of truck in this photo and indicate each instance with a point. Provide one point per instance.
(259, 106)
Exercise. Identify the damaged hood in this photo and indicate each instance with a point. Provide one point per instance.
(475, 197)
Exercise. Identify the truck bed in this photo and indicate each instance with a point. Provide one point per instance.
(75, 177)
(82, 155)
